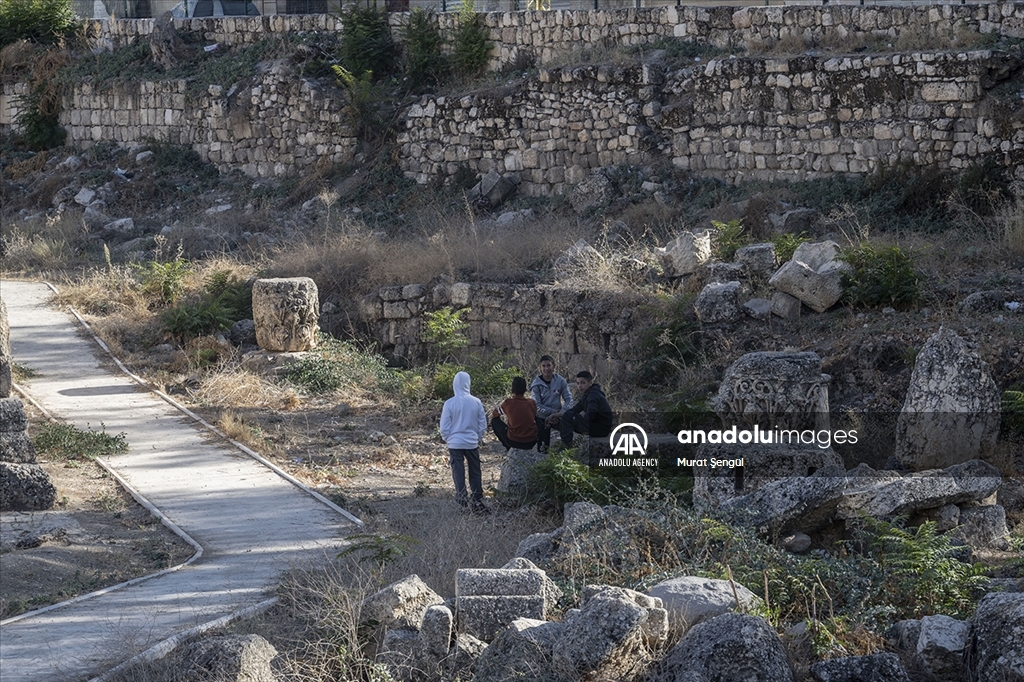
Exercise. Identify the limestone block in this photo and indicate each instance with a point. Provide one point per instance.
(952, 410)
(514, 479)
(16, 446)
(689, 600)
(759, 258)
(401, 604)
(820, 292)
(285, 312)
(785, 306)
(686, 253)
(983, 527)
(484, 616)
(998, 652)
(941, 645)
(25, 487)
(718, 303)
(781, 388)
(231, 657)
(521, 651)
(12, 416)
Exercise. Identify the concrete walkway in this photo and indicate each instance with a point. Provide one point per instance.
(251, 523)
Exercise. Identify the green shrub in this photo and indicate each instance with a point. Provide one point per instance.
(445, 331)
(489, 377)
(40, 127)
(726, 238)
(369, 104)
(335, 365)
(671, 342)
(786, 244)
(163, 281)
(198, 318)
(563, 478)
(424, 63)
(233, 293)
(39, 21)
(881, 277)
(65, 441)
(471, 50)
(366, 44)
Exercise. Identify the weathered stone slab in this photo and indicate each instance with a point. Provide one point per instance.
(285, 312)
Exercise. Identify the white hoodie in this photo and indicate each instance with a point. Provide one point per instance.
(463, 421)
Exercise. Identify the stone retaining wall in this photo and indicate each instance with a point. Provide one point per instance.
(273, 125)
(581, 330)
(738, 119)
(546, 35)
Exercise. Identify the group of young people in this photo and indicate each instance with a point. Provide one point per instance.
(519, 422)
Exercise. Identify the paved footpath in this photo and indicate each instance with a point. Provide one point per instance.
(251, 523)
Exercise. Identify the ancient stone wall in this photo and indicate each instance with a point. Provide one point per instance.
(273, 125)
(738, 119)
(546, 35)
(581, 330)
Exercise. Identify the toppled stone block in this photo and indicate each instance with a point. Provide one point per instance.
(436, 631)
(718, 303)
(610, 637)
(998, 652)
(759, 258)
(470, 582)
(782, 389)
(806, 504)
(17, 447)
(25, 487)
(689, 600)
(514, 479)
(723, 273)
(537, 547)
(522, 651)
(941, 645)
(728, 647)
(484, 616)
(816, 254)
(231, 658)
(549, 590)
(887, 494)
(785, 306)
(983, 302)
(883, 667)
(819, 291)
(594, 191)
(12, 416)
(685, 254)
(758, 308)
(952, 410)
(983, 527)
(285, 312)
(401, 604)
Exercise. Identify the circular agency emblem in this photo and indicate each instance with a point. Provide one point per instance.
(628, 439)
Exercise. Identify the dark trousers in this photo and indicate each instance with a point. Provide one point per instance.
(500, 429)
(571, 423)
(471, 457)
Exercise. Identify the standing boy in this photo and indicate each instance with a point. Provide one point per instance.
(463, 424)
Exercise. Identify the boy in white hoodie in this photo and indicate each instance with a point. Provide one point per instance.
(463, 425)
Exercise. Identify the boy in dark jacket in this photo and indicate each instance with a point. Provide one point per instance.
(591, 414)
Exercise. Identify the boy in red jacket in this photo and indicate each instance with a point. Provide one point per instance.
(521, 413)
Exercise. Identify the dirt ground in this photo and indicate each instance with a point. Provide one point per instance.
(95, 536)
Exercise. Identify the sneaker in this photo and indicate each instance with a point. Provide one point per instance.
(480, 509)
(542, 449)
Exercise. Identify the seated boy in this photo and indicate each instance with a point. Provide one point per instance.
(521, 414)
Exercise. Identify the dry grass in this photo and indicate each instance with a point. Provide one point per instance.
(239, 388)
(1010, 227)
(347, 260)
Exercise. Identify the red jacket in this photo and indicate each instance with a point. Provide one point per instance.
(521, 414)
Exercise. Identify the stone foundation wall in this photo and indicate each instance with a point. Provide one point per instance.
(581, 330)
(738, 119)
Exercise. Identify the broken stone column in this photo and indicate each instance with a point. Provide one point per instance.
(952, 409)
(285, 312)
(24, 486)
(489, 599)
